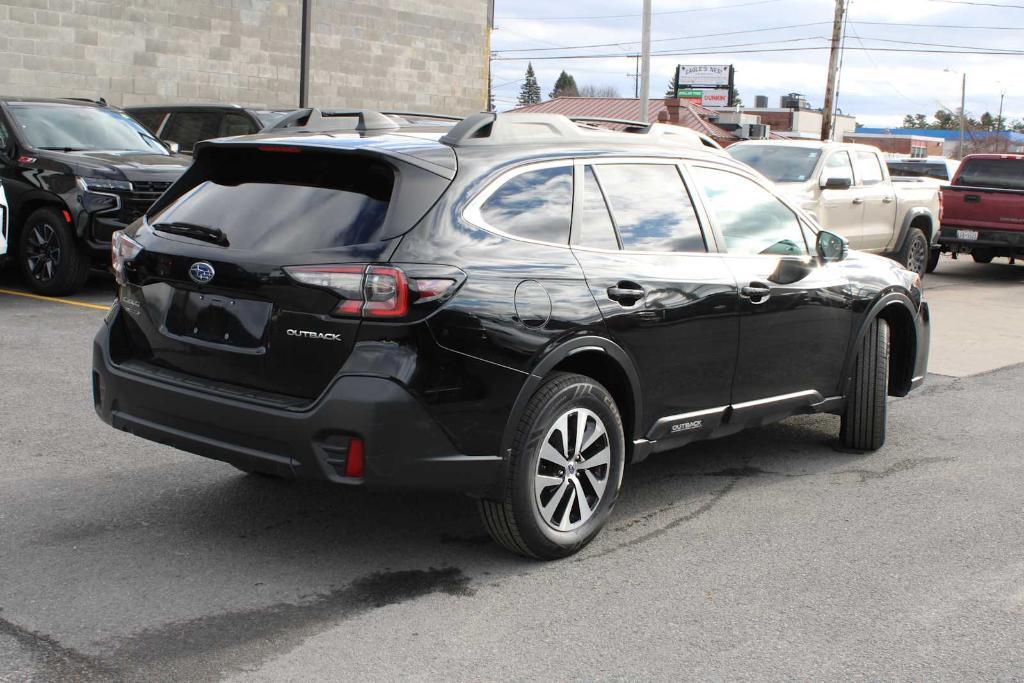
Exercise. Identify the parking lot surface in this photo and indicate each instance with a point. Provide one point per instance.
(770, 554)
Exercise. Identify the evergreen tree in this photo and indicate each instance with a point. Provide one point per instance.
(529, 93)
(565, 86)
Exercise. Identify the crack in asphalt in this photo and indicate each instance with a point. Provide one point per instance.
(60, 661)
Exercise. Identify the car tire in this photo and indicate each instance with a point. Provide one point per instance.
(863, 421)
(981, 257)
(933, 260)
(541, 514)
(915, 252)
(52, 260)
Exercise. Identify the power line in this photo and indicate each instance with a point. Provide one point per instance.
(982, 4)
(671, 53)
(956, 26)
(623, 16)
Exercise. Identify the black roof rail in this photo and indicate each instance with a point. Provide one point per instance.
(423, 115)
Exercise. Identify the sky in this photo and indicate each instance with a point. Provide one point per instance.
(876, 86)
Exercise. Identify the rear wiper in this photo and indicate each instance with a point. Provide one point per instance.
(199, 232)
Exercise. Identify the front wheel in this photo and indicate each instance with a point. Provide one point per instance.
(564, 471)
(52, 261)
(863, 422)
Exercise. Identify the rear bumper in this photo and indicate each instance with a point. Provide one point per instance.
(404, 447)
(996, 242)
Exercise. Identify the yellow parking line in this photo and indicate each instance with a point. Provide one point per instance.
(55, 299)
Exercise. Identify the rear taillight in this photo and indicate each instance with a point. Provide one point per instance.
(374, 291)
(122, 250)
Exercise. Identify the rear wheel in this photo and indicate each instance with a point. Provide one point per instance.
(933, 260)
(981, 256)
(915, 252)
(863, 422)
(564, 472)
(52, 261)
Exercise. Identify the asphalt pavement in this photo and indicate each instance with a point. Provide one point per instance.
(767, 555)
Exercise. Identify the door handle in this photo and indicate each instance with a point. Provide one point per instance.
(972, 198)
(887, 200)
(858, 200)
(626, 293)
(756, 292)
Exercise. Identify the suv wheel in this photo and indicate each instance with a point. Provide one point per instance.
(863, 422)
(564, 472)
(915, 252)
(51, 259)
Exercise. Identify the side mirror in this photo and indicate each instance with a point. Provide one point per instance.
(837, 184)
(173, 146)
(831, 247)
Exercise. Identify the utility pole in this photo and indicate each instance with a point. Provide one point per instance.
(304, 55)
(963, 114)
(833, 65)
(645, 68)
(999, 119)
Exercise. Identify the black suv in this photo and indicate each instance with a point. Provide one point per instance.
(516, 310)
(186, 124)
(74, 172)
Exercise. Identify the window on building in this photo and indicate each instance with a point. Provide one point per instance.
(652, 208)
(536, 205)
(750, 218)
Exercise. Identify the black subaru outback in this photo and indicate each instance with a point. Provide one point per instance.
(515, 309)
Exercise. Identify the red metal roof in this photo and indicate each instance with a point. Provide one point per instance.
(690, 115)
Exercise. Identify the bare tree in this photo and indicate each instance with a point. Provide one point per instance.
(598, 91)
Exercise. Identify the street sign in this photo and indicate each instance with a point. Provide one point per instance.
(690, 93)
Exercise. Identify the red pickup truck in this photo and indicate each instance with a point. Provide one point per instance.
(983, 209)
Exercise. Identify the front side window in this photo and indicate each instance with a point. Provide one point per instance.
(535, 205)
(72, 128)
(750, 218)
(189, 127)
(869, 169)
(150, 118)
(651, 207)
(838, 166)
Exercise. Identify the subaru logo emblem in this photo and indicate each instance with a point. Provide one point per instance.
(201, 272)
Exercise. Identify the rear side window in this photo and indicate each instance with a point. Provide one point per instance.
(651, 207)
(535, 205)
(1002, 174)
(189, 127)
(869, 169)
(150, 119)
(285, 202)
(595, 227)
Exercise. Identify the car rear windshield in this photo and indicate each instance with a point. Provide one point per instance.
(1002, 174)
(915, 170)
(282, 201)
(777, 163)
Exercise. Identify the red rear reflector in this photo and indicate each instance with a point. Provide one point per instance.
(67, 216)
(354, 460)
(279, 148)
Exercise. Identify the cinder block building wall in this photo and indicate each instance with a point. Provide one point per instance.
(403, 54)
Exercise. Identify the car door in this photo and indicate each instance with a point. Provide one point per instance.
(795, 315)
(879, 199)
(842, 212)
(665, 294)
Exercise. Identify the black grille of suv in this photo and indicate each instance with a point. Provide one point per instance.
(142, 196)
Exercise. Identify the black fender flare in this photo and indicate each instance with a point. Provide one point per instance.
(555, 356)
(35, 198)
(885, 301)
(912, 215)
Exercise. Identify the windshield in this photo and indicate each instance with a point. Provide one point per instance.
(777, 163)
(71, 128)
(1002, 174)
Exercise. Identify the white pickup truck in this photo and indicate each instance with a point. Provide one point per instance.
(847, 188)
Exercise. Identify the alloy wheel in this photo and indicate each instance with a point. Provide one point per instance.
(917, 260)
(42, 252)
(572, 470)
